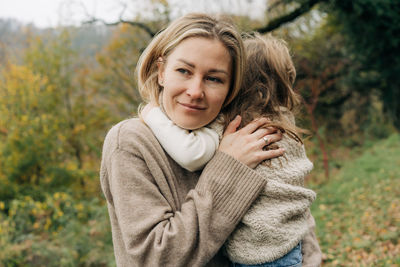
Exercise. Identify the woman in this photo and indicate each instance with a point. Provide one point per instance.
(162, 214)
(278, 224)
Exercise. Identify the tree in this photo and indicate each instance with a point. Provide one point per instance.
(30, 150)
(51, 121)
(372, 30)
(300, 8)
(114, 78)
(321, 64)
(159, 9)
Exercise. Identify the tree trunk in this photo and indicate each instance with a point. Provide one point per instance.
(315, 127)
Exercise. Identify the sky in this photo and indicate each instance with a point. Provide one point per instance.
(52, 13)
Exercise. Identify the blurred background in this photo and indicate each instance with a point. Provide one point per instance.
(67, 75)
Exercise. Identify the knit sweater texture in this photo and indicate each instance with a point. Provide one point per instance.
(278, 220)
(164, 215)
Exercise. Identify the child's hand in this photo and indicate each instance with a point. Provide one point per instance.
(147, 109)
(246, 144)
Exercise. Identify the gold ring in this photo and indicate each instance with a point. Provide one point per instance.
(265, 138)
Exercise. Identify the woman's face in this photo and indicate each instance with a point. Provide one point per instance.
(196, 77)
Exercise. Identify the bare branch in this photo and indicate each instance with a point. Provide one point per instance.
(276, 23)
(276, 4)
(138, 24)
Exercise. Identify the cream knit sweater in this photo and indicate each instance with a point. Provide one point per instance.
(278, 220)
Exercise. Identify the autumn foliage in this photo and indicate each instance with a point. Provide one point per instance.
(57, 102)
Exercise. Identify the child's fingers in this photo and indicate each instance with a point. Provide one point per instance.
(261, 132)
(273, 153)
(269, 139)
(233, 125)
(254, 125)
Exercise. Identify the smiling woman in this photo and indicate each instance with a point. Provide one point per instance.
(162, 214)
(195, 79)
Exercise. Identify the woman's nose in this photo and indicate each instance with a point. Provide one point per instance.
(195, 88)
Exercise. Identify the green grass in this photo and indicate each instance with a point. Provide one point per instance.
(358, 211)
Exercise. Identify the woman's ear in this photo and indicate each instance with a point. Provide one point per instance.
(160, 67)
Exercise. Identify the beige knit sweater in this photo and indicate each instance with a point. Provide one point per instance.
(279, 218)
(164, 215)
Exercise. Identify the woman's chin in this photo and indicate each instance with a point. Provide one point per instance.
(190, 125)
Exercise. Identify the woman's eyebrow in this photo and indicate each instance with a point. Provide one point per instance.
(210, 71)
(218, 71)
(186, 62)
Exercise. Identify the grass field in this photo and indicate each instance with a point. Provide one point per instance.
(358, 210)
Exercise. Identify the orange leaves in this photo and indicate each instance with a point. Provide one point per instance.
(3, 131)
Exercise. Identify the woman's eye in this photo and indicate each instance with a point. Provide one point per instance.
(183, 71)
(214, 79)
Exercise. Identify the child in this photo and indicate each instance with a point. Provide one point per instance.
(272, 230)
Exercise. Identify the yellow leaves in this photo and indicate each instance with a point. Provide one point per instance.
(36, 225)
(116, 45)
(61, 137)
(2, 205)
(34, 212)
(59, 213)
(124, 27)
(78, 128)
(47, 224)
(393, 205)
(24, 118)
(361, 197)
(335, 262)
(4, 226)
(45, 130)
(322, 207)
(21, 86)
(60, 196)
(79, 207)
(71, 166)
(46, 215)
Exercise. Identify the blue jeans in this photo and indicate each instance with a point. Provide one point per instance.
(293, 258)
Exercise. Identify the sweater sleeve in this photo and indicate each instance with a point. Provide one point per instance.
(156, 229)
(190, 149)
(312, 255)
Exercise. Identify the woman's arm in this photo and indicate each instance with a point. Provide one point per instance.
(312, 255)
(190, 149)
(157, 220)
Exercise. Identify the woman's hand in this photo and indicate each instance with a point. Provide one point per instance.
(246, 144)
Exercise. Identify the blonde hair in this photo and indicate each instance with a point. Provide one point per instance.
(267, 85)
(190, 25)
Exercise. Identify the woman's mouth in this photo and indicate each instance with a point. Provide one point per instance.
(192, 107)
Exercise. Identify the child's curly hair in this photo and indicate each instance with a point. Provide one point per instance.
(267, 86)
